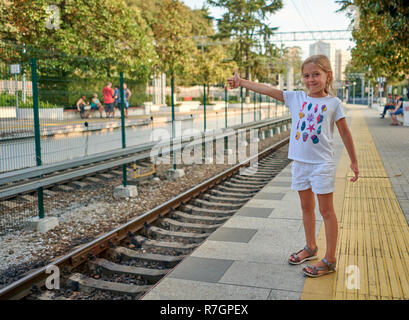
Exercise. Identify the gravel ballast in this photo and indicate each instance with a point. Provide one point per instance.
(88, 213)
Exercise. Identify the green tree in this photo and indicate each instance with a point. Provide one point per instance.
(85, 40)
(99, 29)
(212, 64)
(382, 41)
(246, 23)
(174, 44)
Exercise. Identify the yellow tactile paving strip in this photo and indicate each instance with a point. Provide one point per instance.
(373, 238)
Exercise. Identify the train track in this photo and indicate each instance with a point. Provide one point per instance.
(27, 181)
(127, 261)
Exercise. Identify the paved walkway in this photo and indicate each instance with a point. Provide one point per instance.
(247, 257)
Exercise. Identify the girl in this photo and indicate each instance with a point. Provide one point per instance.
(313, 170)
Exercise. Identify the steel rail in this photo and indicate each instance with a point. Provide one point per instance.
(125, 156)
(22, 287)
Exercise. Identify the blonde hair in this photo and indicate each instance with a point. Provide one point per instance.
(322, 62)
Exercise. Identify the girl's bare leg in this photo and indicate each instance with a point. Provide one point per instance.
(326, 207)
(308, 213)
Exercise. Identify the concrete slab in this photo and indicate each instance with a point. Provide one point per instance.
(269, 196)
(233, 234)
(174, 174)
(42, 225)
(179, 289)
(265, 275)
(201, 269)
(254, 212)
(129, 191)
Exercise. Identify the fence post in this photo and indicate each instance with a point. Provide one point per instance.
(37, 136)
(261, 100)
(121, 84)
(255, 100)
(172, 84)
(241, 100)
(225, 116)
(204, 106)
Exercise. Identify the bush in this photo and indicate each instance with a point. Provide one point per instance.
(8, 100)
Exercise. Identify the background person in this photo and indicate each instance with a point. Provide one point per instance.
(109, 100)
(390, 104)
(398, 110)
(96, 105)
(81, 103)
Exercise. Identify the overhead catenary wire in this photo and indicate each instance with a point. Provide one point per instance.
(302, 18)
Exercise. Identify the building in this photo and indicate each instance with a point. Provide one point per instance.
(342, 59)
(324, 48)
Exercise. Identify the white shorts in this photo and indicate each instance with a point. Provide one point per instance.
(319, 177)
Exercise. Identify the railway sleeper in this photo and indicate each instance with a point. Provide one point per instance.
(222, 206)
(265, 171)
(176, 246)
(63, 188)
(207, 212)
(230, 194)
(109, 267)
(236, 190)
(185, 217)
(159, 233)
(78, 185)
(177, 225)
(92, 180)
(81, 282)
(241, 186)
(270, 166)
(251, 178)
(248, 182)
(222, 199)
(105, 176)
(128, 254)
(255, 173)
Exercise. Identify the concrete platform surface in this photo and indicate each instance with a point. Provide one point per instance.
(246, 258)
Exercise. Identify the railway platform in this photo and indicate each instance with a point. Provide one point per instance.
(246, 258)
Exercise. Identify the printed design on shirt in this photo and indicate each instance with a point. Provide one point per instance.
(303, 126)
(311, 127)
(320, 118)
(308, 124)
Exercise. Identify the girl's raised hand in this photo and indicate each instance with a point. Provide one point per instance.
(234, 81)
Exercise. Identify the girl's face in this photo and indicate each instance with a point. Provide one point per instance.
(315, 79)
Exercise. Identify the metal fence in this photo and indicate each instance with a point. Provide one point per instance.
(43, 120)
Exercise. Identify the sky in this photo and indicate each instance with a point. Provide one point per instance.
(300, 15)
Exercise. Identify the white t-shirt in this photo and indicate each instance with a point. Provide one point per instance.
(311, 136)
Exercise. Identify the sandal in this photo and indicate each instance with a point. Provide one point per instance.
(312, 256)
(330, 267)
